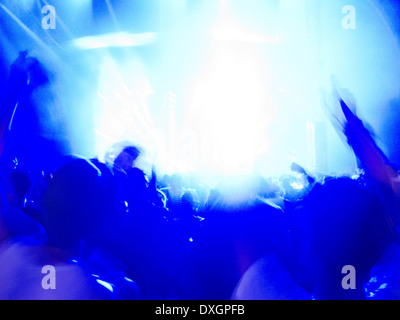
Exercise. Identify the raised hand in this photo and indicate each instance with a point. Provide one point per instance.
(26, 73)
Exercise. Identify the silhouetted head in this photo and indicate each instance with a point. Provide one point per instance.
(77, 202)
(189, 201)
(126, 159)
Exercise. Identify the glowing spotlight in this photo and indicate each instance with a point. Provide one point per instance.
(119, 39)
(229, 111)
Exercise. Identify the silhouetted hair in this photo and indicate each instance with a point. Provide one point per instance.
(77, 202)
(133, 151)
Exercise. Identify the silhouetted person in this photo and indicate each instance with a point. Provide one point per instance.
(77, 203)
(239, 229)
(31, 126)
(348, 227)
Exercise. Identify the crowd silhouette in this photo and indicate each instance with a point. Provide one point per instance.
(113, 232)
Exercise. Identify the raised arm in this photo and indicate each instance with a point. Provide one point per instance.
(371, 157)
(373, 161)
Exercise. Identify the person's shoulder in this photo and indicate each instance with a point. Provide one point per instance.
(37, 272)
(134, 171)
(268, 279)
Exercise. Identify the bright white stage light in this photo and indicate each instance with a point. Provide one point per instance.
(255, 100)
(119, 39)
(229, 111)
